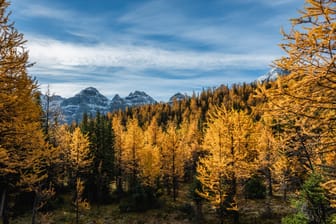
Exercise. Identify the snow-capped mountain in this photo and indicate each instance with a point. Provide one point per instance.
(117, 103)
(90, 100)
(272, 75)
(138, 98)
(177, 97)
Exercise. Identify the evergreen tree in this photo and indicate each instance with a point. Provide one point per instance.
(100, 134)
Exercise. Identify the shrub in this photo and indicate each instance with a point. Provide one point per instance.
(298, 218)
(139, 199)
(255, 188)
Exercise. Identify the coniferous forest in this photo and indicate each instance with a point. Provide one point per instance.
(262, 152)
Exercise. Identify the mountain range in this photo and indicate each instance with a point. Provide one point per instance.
(90, 100)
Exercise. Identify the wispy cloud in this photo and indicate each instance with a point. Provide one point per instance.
(233, 31)
(121, 69)
(53, 54)
(276, 2)
(42, 10)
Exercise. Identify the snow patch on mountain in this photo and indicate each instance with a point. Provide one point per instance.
(272, 75)
(138, 98)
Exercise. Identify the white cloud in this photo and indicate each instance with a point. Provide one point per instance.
(46, 12)
(276, 3)
(41, 9)
(54, 54)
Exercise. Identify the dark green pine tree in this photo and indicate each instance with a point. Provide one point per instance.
(100, 135)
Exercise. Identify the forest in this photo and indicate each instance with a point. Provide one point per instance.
(261, 152)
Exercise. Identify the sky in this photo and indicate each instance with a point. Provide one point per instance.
(158, 46)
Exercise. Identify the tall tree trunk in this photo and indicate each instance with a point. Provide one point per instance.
(199, 212)
(175, 187)
(119, 184)
(285, 191)
(234, 200)
(119, 177)
(174, 177)
(269, 180)
(99, 184)
(3, 207)
(34, 208)
(77, 201)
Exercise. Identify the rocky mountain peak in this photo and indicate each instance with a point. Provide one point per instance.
(90, 91)
(139, 98)
(89, 100)
(177, 97)
(116, 97)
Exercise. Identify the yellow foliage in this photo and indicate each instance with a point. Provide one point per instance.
(79, 150)
(149, 155)
(173, 156)
(303, 102)
(131, 148)
(25, 157)
(330, 187)
(83, 204)
(229, 141)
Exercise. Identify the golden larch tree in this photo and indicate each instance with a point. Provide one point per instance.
(119, 138)
(149, 155)
(231, 157)
(305, 98)
(267, 151)
(172, 158)
(133, 144)
(80, 161)
(22, 139)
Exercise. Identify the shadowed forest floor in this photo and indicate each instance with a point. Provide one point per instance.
(179, 212)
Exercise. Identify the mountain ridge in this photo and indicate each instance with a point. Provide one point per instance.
(90, 100)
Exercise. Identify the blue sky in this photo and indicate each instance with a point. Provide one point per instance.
(157, 46)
